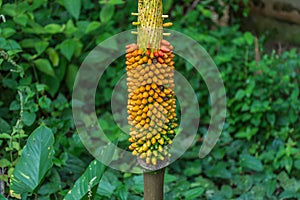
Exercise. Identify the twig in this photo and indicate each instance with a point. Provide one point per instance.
(90, 192)
(18, 126)
(193, 6)
(3, 18)
(6, 57)
(2, 183)
(257, 54)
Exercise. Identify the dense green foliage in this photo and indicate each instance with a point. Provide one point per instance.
(42, 45)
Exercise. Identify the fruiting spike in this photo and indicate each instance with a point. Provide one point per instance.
(151, 101)
(150, 80)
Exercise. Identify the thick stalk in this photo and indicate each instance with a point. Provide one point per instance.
(154, 185)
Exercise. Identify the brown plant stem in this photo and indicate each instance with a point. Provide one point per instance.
(154, 185)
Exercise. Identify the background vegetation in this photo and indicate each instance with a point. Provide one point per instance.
(42, 46)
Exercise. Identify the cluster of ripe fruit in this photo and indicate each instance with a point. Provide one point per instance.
(151, 101)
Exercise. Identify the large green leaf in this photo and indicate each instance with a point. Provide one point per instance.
(35, 161)
(88, 182)
(67, 48)
(251, 162)
(53, 56)
(53, 28)
(73, 7)
(71, 75)
(107, 12)
(41, 46)
(2, 197)
(112, 2)
(4, 126)
(219, 170)
(193, 193)
(44, 66)
(107, 185)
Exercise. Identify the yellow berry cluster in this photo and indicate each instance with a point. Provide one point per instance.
(151, 101)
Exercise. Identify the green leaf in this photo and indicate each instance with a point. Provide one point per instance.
(169, 178)
(251, 163)
(12, 45)
(244, 183)
(3, 42)
(5, 136)
(287, 163)
(193, 193)
(138, 185)
(78, 48)
(15, 105)
(4, 163)
(44, 66)
(34, 4)
(122, 192)
(9, 9)
(21, 19)
(35, 161)
(288, 184)
(28, 118)
(4, 126)
(87, 182)
(52, 83)
(289, 195)
(107, 12)
(70, 28)
(297, 164)
(226, 191)
(40, 46)
(35, 28)
(54, 184)
(270, 187)
(2, 197)
(49, 188)
(28, 43)
(219, 170)
(188, 66)
(45, 102)
(7, 32)
(92, 26)
(73, 7)
(53, 56)
(10, 83)
(249, 38)
(71, 75)
(53, 28)
(271, 118)
(240, 94)
(112, 2)
(67, 48)
(106, 187)
(192, 170)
